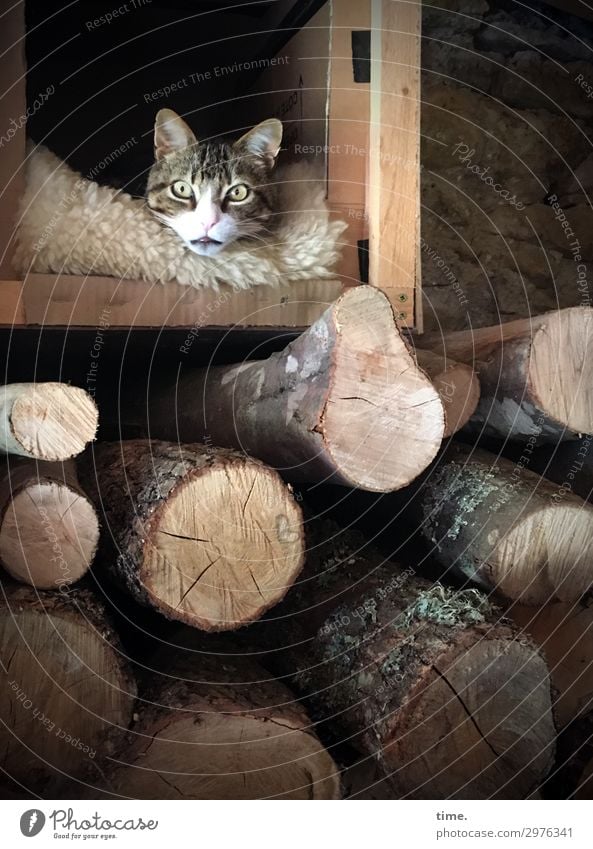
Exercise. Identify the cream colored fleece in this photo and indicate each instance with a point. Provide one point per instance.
(71, 225)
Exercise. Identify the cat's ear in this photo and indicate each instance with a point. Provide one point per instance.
(263, 141)
(171, 133)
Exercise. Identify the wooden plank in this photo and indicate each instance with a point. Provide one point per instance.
(394, 178)
(325, 112)
(355, 217)
(73, 301)
(12, 307)
(348, 108)
(295, 90)
(13, 108)
(348, 132)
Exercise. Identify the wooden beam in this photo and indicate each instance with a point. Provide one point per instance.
(394, 179)
(12, 127)
(75, 301)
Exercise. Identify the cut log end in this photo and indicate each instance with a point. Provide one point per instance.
(48, 534)
(536, 374)
(561, 368)
(224, 564)
(513, 533)
(459, 389)
(210, 728)
(384, 419)
(427, 679)
(228, 757)
(65, 692)
(53, 421)
(478, 695)
(458, 386)
(546, 555)
(565, 634)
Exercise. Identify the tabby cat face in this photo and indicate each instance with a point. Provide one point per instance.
(212, 194)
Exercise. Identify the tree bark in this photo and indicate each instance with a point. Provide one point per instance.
(456, 383)
(536, 374)
(210, 728)
(565, 634)
(206, 536)
(498, 524)
(424, 678)
(67, 694)
(46, 421)
(569, 464)
(345, 402)
(49, 530)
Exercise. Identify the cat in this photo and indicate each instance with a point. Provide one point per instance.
(213, 193)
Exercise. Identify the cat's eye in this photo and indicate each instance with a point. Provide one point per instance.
(238, 193)
(181, 189)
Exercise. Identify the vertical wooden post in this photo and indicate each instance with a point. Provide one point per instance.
(348, 105)
(12, 127)
(394, 180)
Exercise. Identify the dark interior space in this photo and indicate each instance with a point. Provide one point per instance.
(112, 68)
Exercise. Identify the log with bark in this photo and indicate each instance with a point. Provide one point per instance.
(66, 693)
(210, 728)
(344, 402)
(203, 535)
(46, 421)
(494, 522)
(536, 374)
(49, 529)
(565, 634)
(569, 464)
(427, 679)
(456, 383)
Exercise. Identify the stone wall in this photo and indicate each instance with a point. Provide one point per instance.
(507, 123)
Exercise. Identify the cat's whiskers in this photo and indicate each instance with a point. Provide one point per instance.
(255, 238)
(263, 227)
(164, 218)
(250, 229)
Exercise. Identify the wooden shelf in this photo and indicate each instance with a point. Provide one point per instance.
(375, 192)
(51, 300)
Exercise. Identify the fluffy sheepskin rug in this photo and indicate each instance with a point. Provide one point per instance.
(71, 225)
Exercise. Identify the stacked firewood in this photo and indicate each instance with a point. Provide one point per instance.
(48, 528)
(281, 647)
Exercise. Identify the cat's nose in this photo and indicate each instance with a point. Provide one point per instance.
(210, 222)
